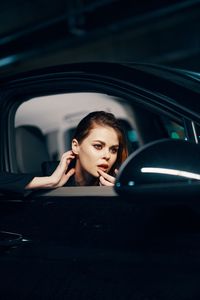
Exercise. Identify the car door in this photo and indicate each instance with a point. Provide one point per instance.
(94, 242)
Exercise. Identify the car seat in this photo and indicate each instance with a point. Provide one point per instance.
(31, 149)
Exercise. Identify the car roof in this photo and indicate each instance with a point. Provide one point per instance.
(176, 86)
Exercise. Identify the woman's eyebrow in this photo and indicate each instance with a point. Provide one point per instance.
(103, 143)
(99, 141)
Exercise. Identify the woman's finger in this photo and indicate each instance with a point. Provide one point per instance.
(116, 171)
(104, 182)
(67, 157)
(66, 160)
(107, 176)
(66, 177)
(70, 173)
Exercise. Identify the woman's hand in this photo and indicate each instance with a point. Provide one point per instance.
(61, 175)
(106, 179)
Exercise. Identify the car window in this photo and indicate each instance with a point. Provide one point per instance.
(44, 126)
(175, 130)
(48, 123)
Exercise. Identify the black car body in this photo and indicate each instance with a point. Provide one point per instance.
(139, 240)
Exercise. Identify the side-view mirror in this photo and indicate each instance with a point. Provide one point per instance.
(162, 166)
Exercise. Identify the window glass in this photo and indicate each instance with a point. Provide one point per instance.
(175, 130)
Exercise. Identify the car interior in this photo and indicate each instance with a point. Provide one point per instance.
(31, 149)
(44, 126)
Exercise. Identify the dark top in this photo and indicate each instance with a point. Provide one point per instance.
(12, 182)
(49, 166)
(71, 181)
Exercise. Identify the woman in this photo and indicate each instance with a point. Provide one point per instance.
(98, 149)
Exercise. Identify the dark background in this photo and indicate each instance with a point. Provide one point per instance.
(38, 33)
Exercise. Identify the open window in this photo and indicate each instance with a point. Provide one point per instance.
(44, 126)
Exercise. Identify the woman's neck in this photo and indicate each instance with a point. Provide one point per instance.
(83, 178)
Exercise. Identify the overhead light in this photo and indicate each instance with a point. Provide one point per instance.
(7, 60)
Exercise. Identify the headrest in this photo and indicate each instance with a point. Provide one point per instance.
(31, 149)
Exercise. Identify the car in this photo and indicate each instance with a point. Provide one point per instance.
(136, 240)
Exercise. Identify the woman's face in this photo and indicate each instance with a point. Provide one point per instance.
(98, 151)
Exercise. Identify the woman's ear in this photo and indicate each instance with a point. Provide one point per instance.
(75, 146)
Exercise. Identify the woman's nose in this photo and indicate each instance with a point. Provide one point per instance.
(107, 154)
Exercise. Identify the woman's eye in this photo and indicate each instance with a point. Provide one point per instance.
(98, 146)
(114, 150)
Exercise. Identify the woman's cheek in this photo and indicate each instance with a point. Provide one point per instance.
(114, 159)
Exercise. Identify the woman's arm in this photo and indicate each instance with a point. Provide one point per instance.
(41, 182)
(58, 178)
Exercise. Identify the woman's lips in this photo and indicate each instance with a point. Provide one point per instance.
(103, 167)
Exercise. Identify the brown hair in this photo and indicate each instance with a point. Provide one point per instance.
(104, 119)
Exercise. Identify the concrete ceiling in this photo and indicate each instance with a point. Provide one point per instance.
(42, 32)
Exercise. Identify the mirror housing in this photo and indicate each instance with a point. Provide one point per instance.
(166, 163)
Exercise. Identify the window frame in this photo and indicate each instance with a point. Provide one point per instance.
(42, 87)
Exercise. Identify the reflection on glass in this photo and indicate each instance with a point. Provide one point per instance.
(171, 172)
